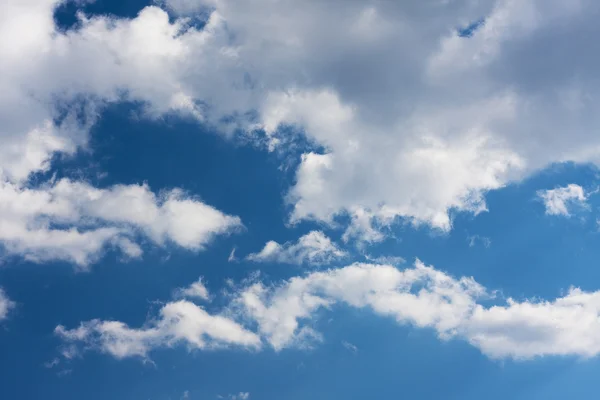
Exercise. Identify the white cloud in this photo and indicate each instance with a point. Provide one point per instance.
(568, 325)
(421, 296)
(5, 305)
(195, 290)
(75, 222)
(440, 302)
(435, 123)
(428, 298)
(314, 248)
(179, 322)
(557, 201)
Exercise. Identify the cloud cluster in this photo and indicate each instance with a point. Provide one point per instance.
(314, 248)
(55, 84)
(73, 221)
(421, 296)
(557, 201)
(179, 322)
(415, 118)
(427, 298)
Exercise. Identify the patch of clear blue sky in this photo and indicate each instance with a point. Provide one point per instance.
(531, 254)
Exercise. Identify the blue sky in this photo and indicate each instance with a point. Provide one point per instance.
(262, 200)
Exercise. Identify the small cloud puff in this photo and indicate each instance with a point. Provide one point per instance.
(195, 290)
(558, 201)
(314, 248)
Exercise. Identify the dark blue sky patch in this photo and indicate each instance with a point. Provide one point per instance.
(65, 15)
(470, 29)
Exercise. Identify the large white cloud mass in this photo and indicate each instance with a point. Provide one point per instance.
(421, 296)
(415, 118)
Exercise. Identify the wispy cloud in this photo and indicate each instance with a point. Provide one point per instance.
(350, 347)
(238, 396)
(483, 240)
(232, 257)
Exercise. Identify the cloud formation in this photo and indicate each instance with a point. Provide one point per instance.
(196, 290)
(410, 133)
(557, 201)
(74, 221)
(421, 296)
(178, 322)
(427, 298)
(314, 248)
(430, 126)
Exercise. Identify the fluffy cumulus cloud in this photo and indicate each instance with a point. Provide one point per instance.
(73, 221)
(196, 290)
(415, 118)
(420, 296)
(178, 322)
(314, 248)
(558, 201)
(5, 305)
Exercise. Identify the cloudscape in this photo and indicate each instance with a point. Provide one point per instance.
(318, 199)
